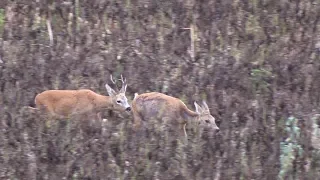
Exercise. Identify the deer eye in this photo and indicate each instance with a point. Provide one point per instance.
(207, 121)
(118, 101)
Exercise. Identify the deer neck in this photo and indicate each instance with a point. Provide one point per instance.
(190, 115)
(103, 102)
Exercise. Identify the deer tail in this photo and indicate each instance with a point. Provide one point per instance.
(135, 95)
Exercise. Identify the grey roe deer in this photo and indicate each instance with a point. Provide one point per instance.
(66, 103)
(173, 110)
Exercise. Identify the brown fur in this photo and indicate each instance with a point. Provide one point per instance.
(66, 103)
(160, 106)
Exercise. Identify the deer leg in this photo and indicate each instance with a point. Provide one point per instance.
(99, 117)
(183, 132)
(137, 120)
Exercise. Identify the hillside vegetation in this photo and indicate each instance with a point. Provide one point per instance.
(256, 63)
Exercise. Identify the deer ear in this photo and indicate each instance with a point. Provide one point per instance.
(135, 95)
(205, 105)
(198, 108)
(111, 92)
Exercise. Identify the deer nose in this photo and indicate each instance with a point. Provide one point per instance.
(217, 130)
(128, 109)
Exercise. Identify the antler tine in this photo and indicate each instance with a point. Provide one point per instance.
(112, 79)
(123, 80)
(114, 82)
(124, 84)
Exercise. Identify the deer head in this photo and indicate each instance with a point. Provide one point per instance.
(119, 99)
(205, 118)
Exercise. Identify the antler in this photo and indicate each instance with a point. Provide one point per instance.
(124, 84)
(114, 82)
(112, 79)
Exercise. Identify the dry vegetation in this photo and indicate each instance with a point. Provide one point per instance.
(255, 62)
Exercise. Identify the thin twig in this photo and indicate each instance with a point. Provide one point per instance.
(192, 48)
(50, 32)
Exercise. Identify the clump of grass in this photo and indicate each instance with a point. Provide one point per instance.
(259, 79)
(290, 148)
(2, 17)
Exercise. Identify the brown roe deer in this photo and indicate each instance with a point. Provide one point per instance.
(67, 103)
(170, 109)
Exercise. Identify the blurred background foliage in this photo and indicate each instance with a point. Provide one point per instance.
(256, 63)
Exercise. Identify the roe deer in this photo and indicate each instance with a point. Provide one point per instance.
(66, 103)
(173, 110)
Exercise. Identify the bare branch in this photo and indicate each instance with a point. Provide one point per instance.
(50, 32)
